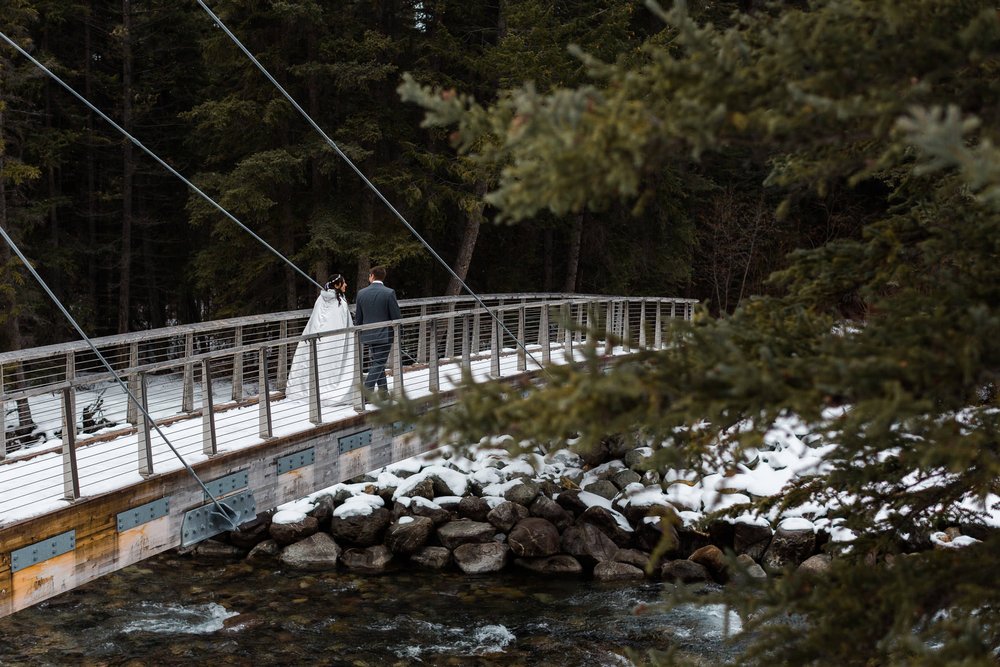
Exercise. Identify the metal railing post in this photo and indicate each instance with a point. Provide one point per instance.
(238, 365)
(449, 339)
(495, 345)
(187, 398)
(132, 412)
(475, 331)
(673, 309)
(422, 337)
(281, 380)
(265, 426)
(578, 334)
(466, 338)
(658, 336)
(209, 445)
(434, 377)
(397, 361)
(543, 334)
(71, 474)
(359, 395)
(522, 340)
(567, 315)
(145, 439)
(315, 410)
(626, 333)
(642, 324)
(609, 327)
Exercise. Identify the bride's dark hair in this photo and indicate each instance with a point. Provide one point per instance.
(333, 283)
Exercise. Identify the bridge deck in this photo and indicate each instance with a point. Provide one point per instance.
(80, 505)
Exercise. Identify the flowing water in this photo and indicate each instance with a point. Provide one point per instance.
(179, 610)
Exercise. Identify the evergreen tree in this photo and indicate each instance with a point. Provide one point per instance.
(885, 111)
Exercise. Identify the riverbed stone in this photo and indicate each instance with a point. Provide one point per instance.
(289, 533)
(649, 533)
(712, 558)
(603, 488)
(434, 558)
(323, 509)
(522, 494)
(463, 531)
(505, 515)
(478, 558)
(370, 560)
(789, 547)
(608, 524)
(751, 539)
(558, 564)
(363, 530)
(588, 544)
(316, 552)
(546, 508)
(408, 536)
(217, 549)
(533, 538)
(610, 570)
(684, 571)
(722, 534)
(474, 508)
(423, 489)
(438, 515)
(638, 459)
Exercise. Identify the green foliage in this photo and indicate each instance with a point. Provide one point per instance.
(887, 112)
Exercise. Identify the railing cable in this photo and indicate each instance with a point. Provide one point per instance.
(223, 509)
(330, 142)
(153, 155)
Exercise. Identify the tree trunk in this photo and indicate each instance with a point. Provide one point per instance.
(470, 235)
(128, 172)
(573, 259)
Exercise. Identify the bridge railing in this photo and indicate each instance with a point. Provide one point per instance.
(216, 385)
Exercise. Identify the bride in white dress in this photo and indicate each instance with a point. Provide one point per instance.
(334, 352)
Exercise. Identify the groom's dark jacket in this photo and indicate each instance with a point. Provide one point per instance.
(376, 303)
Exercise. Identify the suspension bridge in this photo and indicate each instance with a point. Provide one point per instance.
(89, 485)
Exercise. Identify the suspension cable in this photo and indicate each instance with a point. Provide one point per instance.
(364, 178)
(225, 510)
(153, 155)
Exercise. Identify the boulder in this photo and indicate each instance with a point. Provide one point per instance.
(362, 530)
(633, 557)
(522, 494)
(570, 501)
(316, 552)
(722, 534)
(712, 558)
(265, 552)
(684, 571)
(546, 508)
(608, 524)
(603, 488)
(624, 477)
(610, 570)
(434, 558)
(407, 535)
(816, 565)
(750, 568)
(423, 489)
(289, 533)
(216, 549)
(789, 547)
(473, 508)
(436, 514)
(534, 538)
(371, 560)
(477, 558)
(251, 533)
(751, 539)
(457, 533)
(506, 514)
(587, 543)
(323, 509)
(558, 564)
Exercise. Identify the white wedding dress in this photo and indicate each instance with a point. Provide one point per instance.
(334, 353)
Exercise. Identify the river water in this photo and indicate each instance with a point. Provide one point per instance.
(181, 610)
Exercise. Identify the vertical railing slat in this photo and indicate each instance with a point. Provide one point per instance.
(359, 395)
(642, 324)
(397, 361)
(315, 409)
(265, 427)
(209, 445)
(145, 439)
(281, 380)
(434, 377)
(422, 337)
(71, 474)
(658, 336)
(495, 345)
(3, 419)
(132, 412)
(238, 365)
(187, 399)
(522, 340)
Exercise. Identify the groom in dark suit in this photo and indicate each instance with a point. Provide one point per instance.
(376, 303)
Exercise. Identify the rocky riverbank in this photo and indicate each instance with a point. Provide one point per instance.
(559, 514)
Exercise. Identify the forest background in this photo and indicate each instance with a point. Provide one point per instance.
(128, 247)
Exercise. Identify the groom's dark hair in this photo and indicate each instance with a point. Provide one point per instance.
(378, 272)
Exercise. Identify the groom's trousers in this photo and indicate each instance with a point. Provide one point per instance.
(378, 355)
